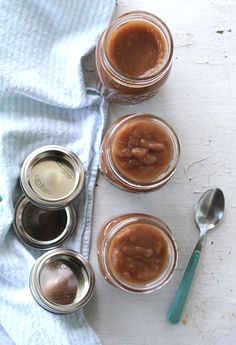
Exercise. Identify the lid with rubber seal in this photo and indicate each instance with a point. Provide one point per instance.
(62, 281)
(52, 177)
(43, 228)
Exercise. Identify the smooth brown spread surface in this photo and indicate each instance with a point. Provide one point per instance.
(138, 253)
(142, 150)
(136, 49)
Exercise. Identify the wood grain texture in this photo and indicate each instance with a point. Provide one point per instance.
(199, 101)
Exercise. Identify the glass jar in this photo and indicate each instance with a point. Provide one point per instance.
(137, 253)
(139, 153)
(133, 57)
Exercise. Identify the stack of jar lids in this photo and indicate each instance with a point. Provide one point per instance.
(52, 177)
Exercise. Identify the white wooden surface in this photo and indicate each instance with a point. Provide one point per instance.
(199, 102)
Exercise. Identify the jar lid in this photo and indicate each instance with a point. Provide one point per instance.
(62, 281)
(52, 176)
(42, 228)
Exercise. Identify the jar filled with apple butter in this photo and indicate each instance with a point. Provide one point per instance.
(137, 252)
(133, 57)
(139, 153)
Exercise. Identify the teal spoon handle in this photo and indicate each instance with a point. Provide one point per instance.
(178, 303)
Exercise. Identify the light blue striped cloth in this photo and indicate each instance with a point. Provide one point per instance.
(44, 100)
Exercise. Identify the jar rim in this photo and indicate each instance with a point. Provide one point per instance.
(165, 176)
(141, 81)
(135, 218)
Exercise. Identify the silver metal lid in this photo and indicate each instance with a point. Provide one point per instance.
(42, 228)
(52, 176)
(62, 281)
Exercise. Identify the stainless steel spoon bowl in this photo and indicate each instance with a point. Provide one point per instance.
(209, 211)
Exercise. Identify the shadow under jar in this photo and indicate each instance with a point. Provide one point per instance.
(137, 253)
(134, 57)
(139, 153)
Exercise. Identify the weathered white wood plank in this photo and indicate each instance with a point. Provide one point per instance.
(199, 100)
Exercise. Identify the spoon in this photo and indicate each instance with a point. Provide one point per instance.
(208, 212)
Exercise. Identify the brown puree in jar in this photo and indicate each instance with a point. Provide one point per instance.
(136, 49)
(133, 57)
(142, 150)
(138, 254)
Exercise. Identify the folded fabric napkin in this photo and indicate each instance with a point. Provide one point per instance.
(44, 100)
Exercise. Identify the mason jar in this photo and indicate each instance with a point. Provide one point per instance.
(137, 252)
(133, 57)
(139, 153)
